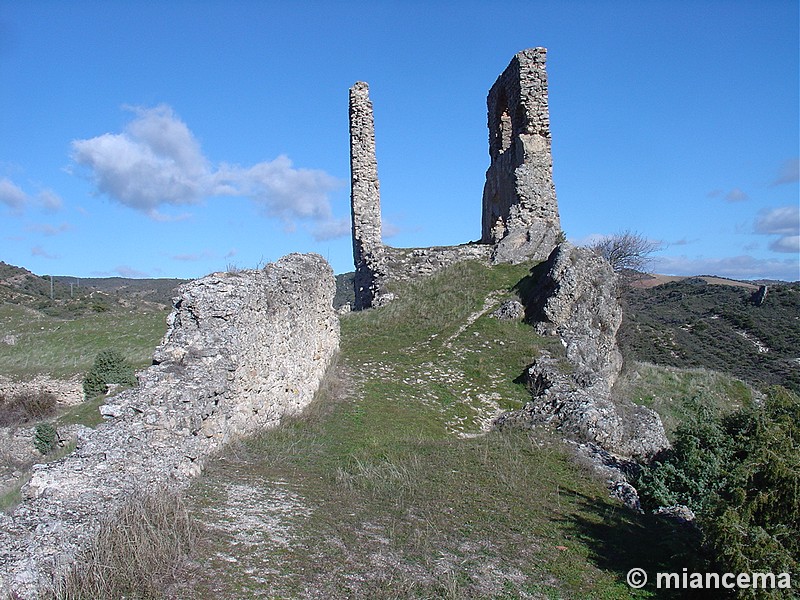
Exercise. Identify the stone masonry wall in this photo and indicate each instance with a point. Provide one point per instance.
(242, 350)
(365, 201)
(520, 210)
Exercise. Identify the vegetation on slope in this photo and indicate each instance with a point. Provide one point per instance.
(60, 336)
(694, 324)
(740, 473)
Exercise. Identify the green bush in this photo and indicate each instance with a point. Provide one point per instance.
(741, 475)
(45, 438)
(109, 367)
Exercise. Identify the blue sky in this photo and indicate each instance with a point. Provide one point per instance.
(172, 139)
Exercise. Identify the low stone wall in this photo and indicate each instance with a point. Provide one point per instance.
(65, 391)
(404, 264)
(242, 350)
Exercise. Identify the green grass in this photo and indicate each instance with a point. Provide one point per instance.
(680, 395)
(66, 347)
(391, 492)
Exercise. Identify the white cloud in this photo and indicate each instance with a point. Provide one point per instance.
(42, 253)
(156, 161)
(786, 243)
(129, 272)
(789, 172)
(735, 267)
(784, 222)
(50, 230)
(16, 199)
(192, 257)
(49, 200)
(389, 229)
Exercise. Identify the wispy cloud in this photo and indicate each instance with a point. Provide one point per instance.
(49, 230)
(683, 242)
(784, 222)
(12, 196)
(332, 229)
(42, 253)
(736, 195)
(192, 257)
(789, 172)
(129, 272)
(735, 267)
(15, 198)
(157, 161)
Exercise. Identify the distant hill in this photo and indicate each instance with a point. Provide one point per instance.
(694, 323)
(64, 296)
(160, 291)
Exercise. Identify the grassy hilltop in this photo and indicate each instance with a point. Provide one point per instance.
(385, 487)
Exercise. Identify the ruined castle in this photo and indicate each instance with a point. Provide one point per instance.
(520, 219)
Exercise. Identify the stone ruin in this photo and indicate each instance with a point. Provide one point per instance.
(576, 298)
(520, 212)
(242, 350)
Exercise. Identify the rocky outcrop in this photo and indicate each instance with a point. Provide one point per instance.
(576, 301)
(242, 350)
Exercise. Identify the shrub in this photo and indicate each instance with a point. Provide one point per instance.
(45, 438)
(138, 552)
(741, 474)
(109, 367)
(26, 407)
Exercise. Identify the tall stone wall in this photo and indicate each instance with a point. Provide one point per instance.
(365, 201)
(242, 350)
(520, 210)
(520, 219)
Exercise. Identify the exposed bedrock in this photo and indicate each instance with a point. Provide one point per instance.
(576, 300)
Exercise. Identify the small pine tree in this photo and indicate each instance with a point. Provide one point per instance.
(45, 438)
(109, 367)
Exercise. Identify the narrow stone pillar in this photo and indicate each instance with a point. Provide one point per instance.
(520, 210)
(365, 201)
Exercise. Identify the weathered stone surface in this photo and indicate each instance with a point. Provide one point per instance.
(509, 310)
(520, 210)
(576, 300)
(365, 202)
(406, 264)
(242, 350)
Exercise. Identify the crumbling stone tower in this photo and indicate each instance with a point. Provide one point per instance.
(520, 210)
(365, 201)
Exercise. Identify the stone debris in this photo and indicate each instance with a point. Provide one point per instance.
(242, 350)
(510, 310)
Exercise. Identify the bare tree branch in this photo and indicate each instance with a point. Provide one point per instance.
(626, 251)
